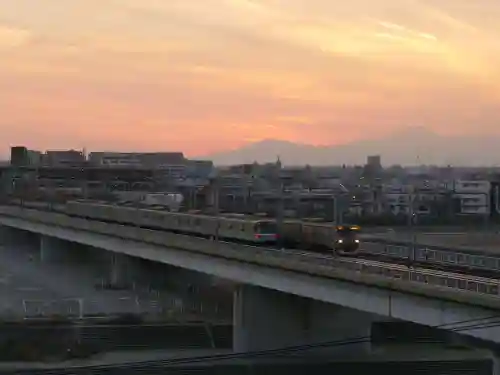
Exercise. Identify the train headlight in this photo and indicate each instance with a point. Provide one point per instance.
(357, 241)
(340, 241)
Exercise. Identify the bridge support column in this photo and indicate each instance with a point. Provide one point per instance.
(495, 364)
(119, 276)
(268, 319)
(53, 249)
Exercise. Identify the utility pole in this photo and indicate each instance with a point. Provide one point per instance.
(280, 213)
(215, 197)
(340, 210)
(334, 209)
(411, 217)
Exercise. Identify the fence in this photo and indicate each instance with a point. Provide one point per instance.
(157, 307)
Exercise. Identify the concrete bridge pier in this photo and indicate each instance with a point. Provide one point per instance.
(268, 319)
(120, 271)
(495, 359)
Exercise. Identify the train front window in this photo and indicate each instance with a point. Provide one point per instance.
(266, 227)
(347, 232)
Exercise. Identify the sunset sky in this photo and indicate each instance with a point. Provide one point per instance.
(201, 76)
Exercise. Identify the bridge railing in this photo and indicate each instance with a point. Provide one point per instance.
(429, 254)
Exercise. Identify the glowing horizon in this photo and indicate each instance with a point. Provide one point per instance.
(202, 76)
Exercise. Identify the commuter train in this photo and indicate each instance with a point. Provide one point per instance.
(322, 237)
(318, 237)
(262, 231)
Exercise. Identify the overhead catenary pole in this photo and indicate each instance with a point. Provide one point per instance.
(411, 218)
(216, 195)
(340, 211)
(280, 212)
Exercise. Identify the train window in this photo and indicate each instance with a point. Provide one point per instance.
(482, 288)
(451, 258)
(242, 227)
(395, 250)
(433, 280)
(452, 283)
(420, 253)
(197, 222)
(472, 286)
(431, 254)
(490, 263)
(420, 278)
(477, 260)
(493, 289)
(397, 274)
(466, 259)
(441, 280)
(266, 227)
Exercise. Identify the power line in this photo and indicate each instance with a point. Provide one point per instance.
(470, 324)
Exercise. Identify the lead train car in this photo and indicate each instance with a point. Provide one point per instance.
(318, 237)
(248, 231)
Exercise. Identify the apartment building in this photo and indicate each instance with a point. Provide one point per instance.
(473, 196)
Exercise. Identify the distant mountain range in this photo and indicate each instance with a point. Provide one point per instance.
(413, 146)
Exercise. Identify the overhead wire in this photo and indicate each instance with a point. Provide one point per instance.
(470, 324)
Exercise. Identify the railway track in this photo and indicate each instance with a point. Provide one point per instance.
(463, 261)
(408, 261)
(426, 275)
(462, 270)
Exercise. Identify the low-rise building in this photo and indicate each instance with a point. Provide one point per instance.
(137, 159)
(63, 158)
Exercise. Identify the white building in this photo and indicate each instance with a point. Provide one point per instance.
(474, 196)
(402, 198)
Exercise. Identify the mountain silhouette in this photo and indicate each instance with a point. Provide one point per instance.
(411, 146)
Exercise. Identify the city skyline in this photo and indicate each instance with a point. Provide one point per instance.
(211, 75)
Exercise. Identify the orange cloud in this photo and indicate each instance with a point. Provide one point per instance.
(13, 37)
(205, 75)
